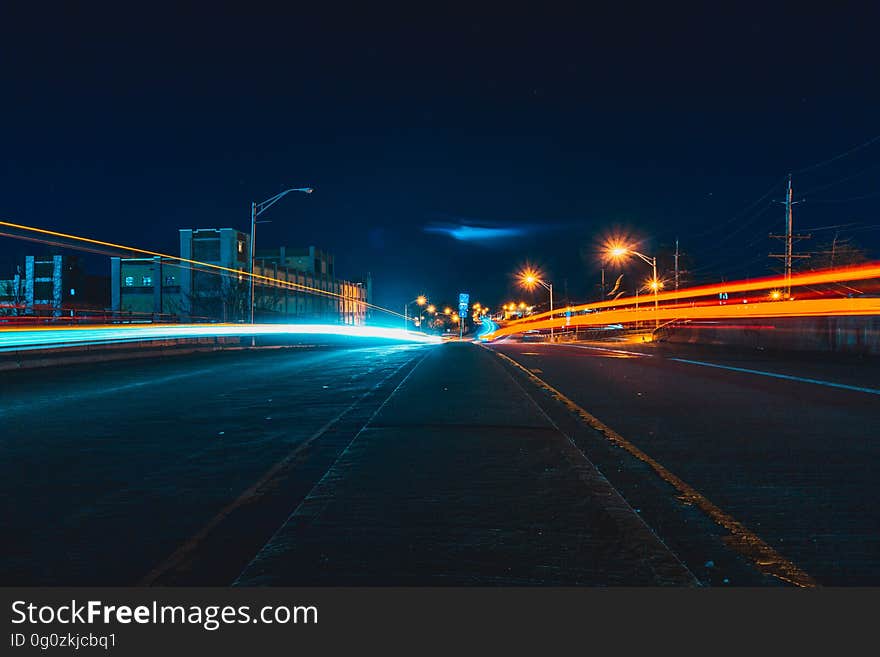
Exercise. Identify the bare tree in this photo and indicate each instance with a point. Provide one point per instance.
(14, 291)
(839, 252)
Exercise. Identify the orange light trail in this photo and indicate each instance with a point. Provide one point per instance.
(266, 279)
(805, 308)
(626, 311)
(861, 272)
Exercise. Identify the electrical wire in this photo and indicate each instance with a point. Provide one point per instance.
(840, 156)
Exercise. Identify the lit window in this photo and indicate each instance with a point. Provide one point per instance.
(241, 247)
(147, 281)
(129, 281)
(169, 280)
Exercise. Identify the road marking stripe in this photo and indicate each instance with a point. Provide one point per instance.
(633, 515)
(613, 351)
(312, 505)
(742, 539)
(188, 548)
(775, 375)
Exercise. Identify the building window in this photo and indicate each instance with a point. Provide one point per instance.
(129, 281)
(147, 281)
(169, 280)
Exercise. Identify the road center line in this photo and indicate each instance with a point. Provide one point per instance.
(742, 539)
(775, 375)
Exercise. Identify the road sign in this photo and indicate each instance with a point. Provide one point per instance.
(463, 303)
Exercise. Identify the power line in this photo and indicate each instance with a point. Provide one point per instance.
(845, 200)
(842, 180)
(839, 156)
(738, 215)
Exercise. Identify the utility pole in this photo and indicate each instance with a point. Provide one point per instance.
(676, 264)
(789, 238)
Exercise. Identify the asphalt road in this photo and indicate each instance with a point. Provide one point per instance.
(438, 464)
(106, 470)
(787, 444)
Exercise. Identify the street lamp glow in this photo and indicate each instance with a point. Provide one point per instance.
(529, 278)
(776, 295)
(431, 309)
(421, 300)
(617, 250)
(447, 310)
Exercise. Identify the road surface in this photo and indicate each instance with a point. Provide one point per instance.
(447, 464)
(787, 444)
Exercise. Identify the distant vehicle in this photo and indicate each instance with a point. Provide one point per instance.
(532, 335)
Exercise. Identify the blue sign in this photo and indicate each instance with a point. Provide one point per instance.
(463, 303)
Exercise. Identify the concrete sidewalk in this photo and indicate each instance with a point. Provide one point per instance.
(460, 479)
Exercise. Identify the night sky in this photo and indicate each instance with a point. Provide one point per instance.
(552, 127)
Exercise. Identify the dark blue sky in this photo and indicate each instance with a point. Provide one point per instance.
(127, 125)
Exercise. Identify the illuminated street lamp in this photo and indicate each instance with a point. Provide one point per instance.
(618, 251)
(529, 278)
(256, 210)
(420, 300)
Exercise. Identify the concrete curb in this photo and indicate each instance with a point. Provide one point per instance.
(23, 360)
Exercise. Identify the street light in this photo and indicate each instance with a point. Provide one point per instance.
(256, 210)
(420, 300)
(529, 278)
(618, 251)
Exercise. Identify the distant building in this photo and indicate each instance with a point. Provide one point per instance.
(311, 260)
(175, 288)
(146, 288)
(49, 286)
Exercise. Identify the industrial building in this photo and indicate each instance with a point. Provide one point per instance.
(303, 287)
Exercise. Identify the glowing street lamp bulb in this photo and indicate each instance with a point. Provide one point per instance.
(431, 309)
(421, 300)
(447, 310)
(776, 295)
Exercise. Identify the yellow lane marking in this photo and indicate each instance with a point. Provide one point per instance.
(741, 539)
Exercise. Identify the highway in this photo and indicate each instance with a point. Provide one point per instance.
(443, 464)
(784, 443)
(107, 469)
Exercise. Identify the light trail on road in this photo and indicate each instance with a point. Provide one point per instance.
(27, 339)
(806, 308)
(838, 275)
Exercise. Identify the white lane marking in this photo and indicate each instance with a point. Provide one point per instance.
(789, 377)
(613, 351)
(775, 375)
